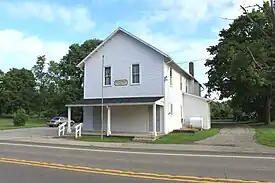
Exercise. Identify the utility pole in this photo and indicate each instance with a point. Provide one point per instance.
(102, 102)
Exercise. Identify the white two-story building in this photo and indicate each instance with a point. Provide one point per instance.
(139, 88)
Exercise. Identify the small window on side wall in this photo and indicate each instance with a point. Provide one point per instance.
(186, 86)
(107, 76)
(180, 82)
(170, 73)
(171, 109)
(135, 74)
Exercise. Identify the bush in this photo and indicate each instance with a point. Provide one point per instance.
(20, 118)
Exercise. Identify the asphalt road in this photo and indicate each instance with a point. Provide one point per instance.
(32, 163)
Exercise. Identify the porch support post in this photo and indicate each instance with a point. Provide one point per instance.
(69, 130)
(154, 120)
(108, 121)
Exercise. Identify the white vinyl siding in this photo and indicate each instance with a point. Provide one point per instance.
(107, 76)
(135, 74)
(120, 53)
(173, 97)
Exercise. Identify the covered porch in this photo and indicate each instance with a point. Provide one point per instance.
(135, 116)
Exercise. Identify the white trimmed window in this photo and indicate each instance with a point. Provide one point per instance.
(135, 74)
(107, 76)
(171, 109)
(186, 86)
(171, 79)
(180, 82)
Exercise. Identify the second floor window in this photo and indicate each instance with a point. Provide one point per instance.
(107, 76)
(171, 109)
(135, 74)
(171, 79)
(186, 86)
(180, 82)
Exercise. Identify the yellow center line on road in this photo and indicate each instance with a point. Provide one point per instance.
(143, 175)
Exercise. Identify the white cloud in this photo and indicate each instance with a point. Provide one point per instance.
(190, 13)
(18, 50)
(77, 18)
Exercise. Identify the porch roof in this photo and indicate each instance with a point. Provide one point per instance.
(116, 101)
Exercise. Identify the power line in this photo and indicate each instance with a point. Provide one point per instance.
(196, 60)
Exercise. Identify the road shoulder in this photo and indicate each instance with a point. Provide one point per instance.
(139, 147)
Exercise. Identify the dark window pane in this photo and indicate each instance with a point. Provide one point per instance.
(107, 76)
(135, 68)
(107, 71)
(135, 78)
(107, 80)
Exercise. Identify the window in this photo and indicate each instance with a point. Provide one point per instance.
(171, 109)
(107, 76)
(135, 74)
(180, 82)
(56, 118)
(186, 86)
(171, 76)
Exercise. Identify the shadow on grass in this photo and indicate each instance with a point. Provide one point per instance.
(265, 133)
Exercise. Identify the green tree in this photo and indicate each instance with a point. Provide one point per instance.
(1, 92)
(18, 90)
(20, 118)
(41, 84)
(71, 77)
(220, 110)
(243, 61)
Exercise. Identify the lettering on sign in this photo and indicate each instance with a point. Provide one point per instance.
(122, 82)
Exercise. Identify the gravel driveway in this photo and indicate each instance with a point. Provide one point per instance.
(235, 136)
(29, 132)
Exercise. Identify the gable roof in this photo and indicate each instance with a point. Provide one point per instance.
(167, 59)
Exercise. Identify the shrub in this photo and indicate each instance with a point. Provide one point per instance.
(20, 118)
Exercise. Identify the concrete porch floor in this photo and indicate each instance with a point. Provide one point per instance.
(119, 134)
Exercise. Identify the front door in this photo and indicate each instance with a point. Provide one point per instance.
(97, 118)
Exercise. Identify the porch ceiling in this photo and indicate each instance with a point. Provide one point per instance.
(116, 101)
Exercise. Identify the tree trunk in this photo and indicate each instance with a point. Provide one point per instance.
(267, 105)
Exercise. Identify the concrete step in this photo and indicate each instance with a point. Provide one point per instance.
(144, 139)
(186, 130)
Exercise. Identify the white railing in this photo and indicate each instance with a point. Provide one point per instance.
(78, 130)
(61, 129)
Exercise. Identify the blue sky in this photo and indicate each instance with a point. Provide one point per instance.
(181, 28)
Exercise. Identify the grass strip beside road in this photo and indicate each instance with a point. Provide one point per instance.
(122, 173)
(7, 124)
(182, 138)
(265, 134)
(93, 138)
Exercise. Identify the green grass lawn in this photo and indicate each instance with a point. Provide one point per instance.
(265, 134)
(7, 123)
(182, 138)
(91, 138)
